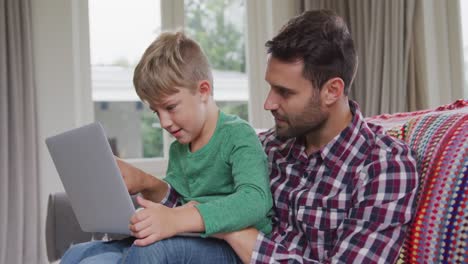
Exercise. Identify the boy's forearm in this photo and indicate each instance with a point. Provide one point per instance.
(154, 189)
(189, 219)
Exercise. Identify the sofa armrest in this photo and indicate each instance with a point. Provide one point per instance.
(63, 229)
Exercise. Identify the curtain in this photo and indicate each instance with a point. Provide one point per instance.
(19, 183)
(387, 79)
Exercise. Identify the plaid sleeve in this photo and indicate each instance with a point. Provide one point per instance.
(375, 227)
(172, 197)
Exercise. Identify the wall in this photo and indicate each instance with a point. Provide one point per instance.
(62, 79)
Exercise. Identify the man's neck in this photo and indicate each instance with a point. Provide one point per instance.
(339, 118)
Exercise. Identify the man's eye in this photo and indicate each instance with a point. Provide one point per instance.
(284, 93)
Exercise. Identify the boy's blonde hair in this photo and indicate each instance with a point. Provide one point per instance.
(172, 60)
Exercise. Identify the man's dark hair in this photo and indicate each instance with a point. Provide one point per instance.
(321, 39)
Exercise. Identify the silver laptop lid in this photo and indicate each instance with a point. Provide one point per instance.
(91, 179)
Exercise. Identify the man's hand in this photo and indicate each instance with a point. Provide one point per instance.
(242, 241)
(155, 222)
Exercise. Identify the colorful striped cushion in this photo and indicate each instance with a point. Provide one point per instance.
(439, 231)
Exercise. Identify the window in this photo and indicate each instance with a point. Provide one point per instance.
(116, 45)
(117, 41)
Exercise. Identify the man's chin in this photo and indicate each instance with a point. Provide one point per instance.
(282, 132)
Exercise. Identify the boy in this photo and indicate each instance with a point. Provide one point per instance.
(217, 159)
(217, 167)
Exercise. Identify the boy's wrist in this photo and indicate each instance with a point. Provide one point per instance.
(148, 184)
(152, 187)
(188, 219)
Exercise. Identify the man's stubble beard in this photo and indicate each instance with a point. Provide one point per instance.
(310, 120)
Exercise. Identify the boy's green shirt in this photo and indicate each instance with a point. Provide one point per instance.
(228, 177)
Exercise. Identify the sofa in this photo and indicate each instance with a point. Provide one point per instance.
(439, 230)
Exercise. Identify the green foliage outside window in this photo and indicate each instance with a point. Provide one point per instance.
(222, 41)
(235, 108)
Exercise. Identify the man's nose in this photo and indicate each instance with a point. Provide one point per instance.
(270, 102)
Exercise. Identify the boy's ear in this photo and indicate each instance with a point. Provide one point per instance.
(205, 89)
(332, 90)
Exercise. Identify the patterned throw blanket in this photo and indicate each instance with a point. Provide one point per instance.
(439, 231)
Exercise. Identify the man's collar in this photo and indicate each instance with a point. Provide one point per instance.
(335, 151)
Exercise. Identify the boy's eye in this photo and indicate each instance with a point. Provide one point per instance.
(170, 107)
(156, 113)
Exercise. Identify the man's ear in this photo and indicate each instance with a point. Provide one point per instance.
(205, 89)
(332, 90)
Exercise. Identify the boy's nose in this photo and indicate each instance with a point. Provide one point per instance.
(165, 122)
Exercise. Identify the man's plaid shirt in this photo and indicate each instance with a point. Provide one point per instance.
(349, 202)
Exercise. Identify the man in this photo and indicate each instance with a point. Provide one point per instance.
(343, 191)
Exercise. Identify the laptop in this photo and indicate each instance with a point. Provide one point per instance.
(92, 179)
